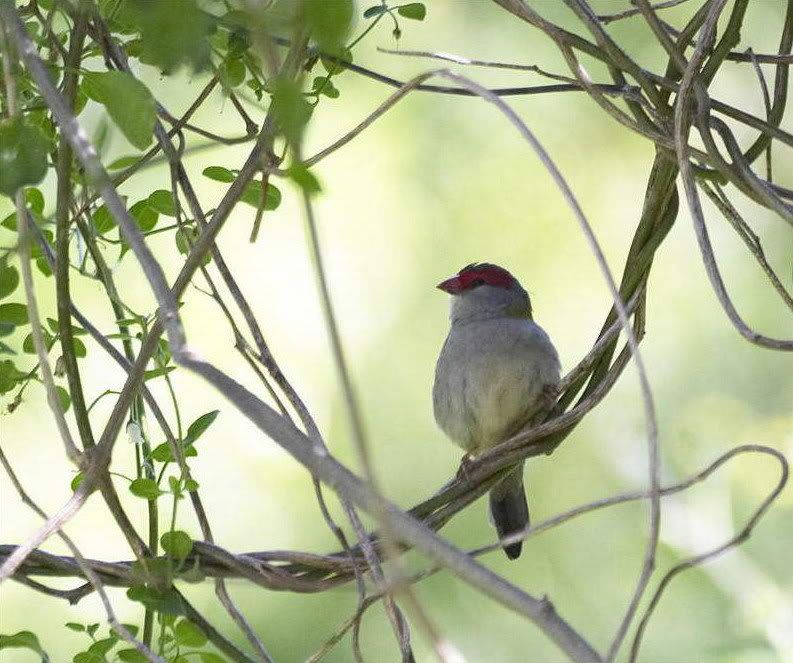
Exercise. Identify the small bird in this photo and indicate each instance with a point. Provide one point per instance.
(497, 373)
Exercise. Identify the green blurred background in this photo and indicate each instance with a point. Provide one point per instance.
(437, 183)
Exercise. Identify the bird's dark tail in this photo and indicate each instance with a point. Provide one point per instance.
(509, 509)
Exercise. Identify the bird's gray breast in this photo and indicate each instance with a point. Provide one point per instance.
(489, 380)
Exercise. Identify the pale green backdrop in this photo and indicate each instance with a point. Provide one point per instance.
(437, 183)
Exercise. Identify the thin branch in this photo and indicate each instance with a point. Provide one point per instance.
(360, 439)
(119, 573)
(39, 344)
(682, 124)
(459, 59)
(73, 596)
(462, 91)
(703, 558)
(652, 428)
(748, 236)
(85, 568)
(259, 413)
(63, 197)
(610, 18)
(768, 110)
(96, 174)
(763, 58)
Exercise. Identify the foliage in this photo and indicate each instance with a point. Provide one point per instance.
(288, 59)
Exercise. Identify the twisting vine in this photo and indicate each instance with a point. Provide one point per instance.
(57, 55)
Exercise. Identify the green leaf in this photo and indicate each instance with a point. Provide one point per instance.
(80, 102)
(323, 85)
(162, 453)
(158, 372)
(73, 626)
(219, 174)
(375, 10)
(290, 109)
(34, 199)
(79, 348)
(337, 63)
(88, 657)
(122, 17)
(199, 426)
(194, 574)
(233, 72)
(166, 619)
(14, 314)
(43, 266)
(185, 238)
(10, 222)
(133, 630)
(78, 479)
(304, 178)
(188, 634)
(177, 544)
(175, 34)
(128, 102)
(102, 647)
(23, 155)
(124, 162)
(239, 40)
(64, 398)
(415, 10)
(253, 193)
(27, 345)
(162, 201)
(164, 350)
(103, 220)
(9, 279)
(92, 628)
(145, 488)
(328, 22)
(52, 323)
(21, 640)
(156, 572)
(175, 485)
(210, 657)
(10, 375)
(130, 321)
(162, 600)
(131, 656)
(258, 89)
(145, 216)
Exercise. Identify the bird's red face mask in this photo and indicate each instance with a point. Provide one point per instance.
(474, 276)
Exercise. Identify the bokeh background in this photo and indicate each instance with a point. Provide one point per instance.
(437, 183)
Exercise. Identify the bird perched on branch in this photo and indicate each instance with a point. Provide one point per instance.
(497, 373)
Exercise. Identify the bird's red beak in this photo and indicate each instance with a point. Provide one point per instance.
(453, 285)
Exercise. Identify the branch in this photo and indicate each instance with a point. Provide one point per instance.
(703, 558)
(95, 172)
(215, 563)
(85, 568)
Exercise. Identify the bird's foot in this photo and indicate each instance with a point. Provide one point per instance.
(465, 464)
(550, 392)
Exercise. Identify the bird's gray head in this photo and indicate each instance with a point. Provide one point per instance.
(481, 291)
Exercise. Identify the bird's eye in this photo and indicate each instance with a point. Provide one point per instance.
(477, 282)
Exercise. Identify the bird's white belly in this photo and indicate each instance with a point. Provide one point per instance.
(486, 392)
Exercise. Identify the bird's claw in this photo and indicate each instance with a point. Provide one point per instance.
(465, 463)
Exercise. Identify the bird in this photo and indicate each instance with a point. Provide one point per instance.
(497, 373)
